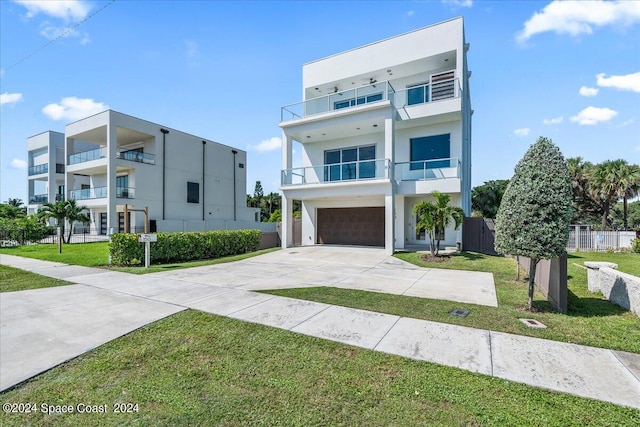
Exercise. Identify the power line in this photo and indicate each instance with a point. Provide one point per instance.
(67, 31)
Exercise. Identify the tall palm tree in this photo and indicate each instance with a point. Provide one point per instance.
(75, 213)
(435, 217)
(605, 186)
(629, 187)
(57, 211)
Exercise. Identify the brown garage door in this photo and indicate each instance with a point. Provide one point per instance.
(351, 226)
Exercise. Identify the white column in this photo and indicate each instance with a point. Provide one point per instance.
(400, 222)
(389, 200)
(112, 143)
(68, 177)
(287, 222)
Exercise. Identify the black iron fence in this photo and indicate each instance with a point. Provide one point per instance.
(18, 237)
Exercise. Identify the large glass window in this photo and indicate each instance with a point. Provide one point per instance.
(357, 101)
(417, 94)
(428, 148)
(350, 163)
(193, 192)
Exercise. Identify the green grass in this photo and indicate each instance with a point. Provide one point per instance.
(198, 369)
(14, 279)
(591, 320)
(627, 263)
(97, 255)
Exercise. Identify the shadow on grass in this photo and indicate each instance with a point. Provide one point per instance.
(472, 256)
(591, 307)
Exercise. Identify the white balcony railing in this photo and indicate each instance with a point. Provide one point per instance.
(337, 172)
(136, 156)
(427, 169)
(339, 100)
(100, 193)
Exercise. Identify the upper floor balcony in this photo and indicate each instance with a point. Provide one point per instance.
(137, 156)
(439, 89)
(37, 199)
(363, 170)
(101, 193)
(38, 169)
(87, 156)
(424, 170)
(340, 100)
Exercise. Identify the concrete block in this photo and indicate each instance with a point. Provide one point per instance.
(593, 276)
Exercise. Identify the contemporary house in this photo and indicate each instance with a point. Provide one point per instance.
(380, 127)
(110, 160)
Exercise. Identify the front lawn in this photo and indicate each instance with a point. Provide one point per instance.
(14, 279)
(198, 369)
(591, 320)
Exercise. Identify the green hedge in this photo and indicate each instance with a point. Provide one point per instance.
(179, 247)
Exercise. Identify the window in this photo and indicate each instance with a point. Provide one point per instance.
(428, 148)
(350, 163)
(417, 94)
(357, 101)
(193, 192)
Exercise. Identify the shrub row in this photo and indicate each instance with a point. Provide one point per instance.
(179, 247)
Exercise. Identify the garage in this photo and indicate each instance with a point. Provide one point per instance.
(350, 226)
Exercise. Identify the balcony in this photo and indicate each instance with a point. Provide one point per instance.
(428, 92)
(424, 170)
(136, 156)
(87, 156)
(38, 169)
(364, 170)
(37, 199)
(101, 192)
(376, 92)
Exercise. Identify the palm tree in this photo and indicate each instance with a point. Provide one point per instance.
(75, 213)
(629, 188)
(435, 217)
(57, 211)
(604, 185)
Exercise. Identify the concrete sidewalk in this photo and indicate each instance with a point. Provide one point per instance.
(607, 375)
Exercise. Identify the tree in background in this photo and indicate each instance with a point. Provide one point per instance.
(11, 209)
(534, 216)
(629, 187)
(486, 198)
(435, 217)
(75, 213)
(605, 185)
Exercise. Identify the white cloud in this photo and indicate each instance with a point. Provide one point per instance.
(68, 10)
(594, 115)
(410, 13)
(553, 121)
(521, 132)
(588, 91)
(627, 82)
(72, 108)
(456, 4)
(626, 122)
(580, 17)
(271, 144)
(18, 164)
(10, 98)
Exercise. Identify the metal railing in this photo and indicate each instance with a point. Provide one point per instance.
(339, 100)
(38, 198)
(586, 239)
(427, 169)
(337, 172)
(38, 169)
(87, 156)
(428, 92)
(135, 156)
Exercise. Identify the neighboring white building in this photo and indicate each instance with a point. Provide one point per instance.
(111, 159)
(380, 127)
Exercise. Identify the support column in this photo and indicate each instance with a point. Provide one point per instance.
(389, 199)
(401, 223)
(112, 142)
(287, 204)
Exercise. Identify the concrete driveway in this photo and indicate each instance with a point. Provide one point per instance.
(368, 269)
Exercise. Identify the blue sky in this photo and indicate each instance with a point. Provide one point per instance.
(222, 70)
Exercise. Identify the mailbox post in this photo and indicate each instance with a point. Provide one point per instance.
(147, 239)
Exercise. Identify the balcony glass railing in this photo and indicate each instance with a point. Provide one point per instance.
(101, 192)
(125, 193)
(87, 156)
(337, 172)
(428, 169)
(59, 197)
(38, 198)
(421, 94)
(337, 101)
(136, 156)
(88, 193)
(38, 169)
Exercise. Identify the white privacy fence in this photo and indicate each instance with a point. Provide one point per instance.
(586, 239)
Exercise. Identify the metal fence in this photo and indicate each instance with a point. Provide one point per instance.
(79, 235)
(583, 238)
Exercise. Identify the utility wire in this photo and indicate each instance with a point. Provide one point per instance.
(67, 31)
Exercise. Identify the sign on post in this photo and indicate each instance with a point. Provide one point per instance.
(147, 239)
